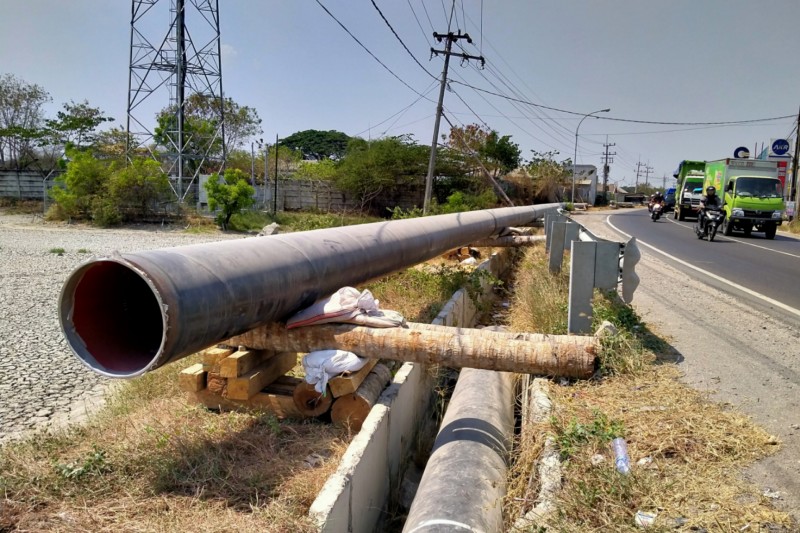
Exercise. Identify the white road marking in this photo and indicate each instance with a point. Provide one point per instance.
(729, 238)
(736, 286)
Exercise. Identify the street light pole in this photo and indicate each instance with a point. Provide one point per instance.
(574, 159)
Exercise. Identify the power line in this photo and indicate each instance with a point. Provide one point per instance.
(367, 49)
(401, 112)
(418, 22)
(401, 40)
(721, 123)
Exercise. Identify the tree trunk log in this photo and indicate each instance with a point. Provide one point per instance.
(309, 402)
(553, 355)
(353, 408)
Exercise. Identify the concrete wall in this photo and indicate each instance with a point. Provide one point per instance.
(354, 497)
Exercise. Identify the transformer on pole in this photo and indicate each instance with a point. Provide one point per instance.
(175, 68)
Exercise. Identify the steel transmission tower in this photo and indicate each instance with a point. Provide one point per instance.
(169, 65)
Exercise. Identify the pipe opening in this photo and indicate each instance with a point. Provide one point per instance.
(112, 319)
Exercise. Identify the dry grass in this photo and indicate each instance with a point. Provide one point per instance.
(153, 461)
(160, 463)
(695, 448)
(791, 227)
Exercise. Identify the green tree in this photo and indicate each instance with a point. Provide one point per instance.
(317, 144)
(136, 191)
(201, 127)
(481, 148)
(83, 183)
(21, 118)
(546, 179)
(230, 195)
(76, 124)
(381, 167)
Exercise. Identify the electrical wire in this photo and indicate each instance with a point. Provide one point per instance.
(427, 39)
(401, 40)
(368, 50)
(720, 123)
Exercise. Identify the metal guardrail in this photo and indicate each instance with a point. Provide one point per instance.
(595, 263)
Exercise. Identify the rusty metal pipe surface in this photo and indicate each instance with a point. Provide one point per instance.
(125, 315)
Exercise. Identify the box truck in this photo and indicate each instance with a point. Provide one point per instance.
(752, 194)
(690, 175)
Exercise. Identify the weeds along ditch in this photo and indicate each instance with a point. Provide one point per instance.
(686, 452)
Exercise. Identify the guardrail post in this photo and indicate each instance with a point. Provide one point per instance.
(581, 286)
(557, 237)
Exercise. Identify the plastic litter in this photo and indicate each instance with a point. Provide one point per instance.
(621, 460)
(644, 519)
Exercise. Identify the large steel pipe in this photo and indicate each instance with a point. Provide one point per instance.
(127, 314)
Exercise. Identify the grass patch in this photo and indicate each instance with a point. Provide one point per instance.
(686, 451)
(57, 251)
(791, 227)
(250, 221)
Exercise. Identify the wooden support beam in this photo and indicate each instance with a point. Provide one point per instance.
(239, 363)
(192, 379)
(555, 355)
(341, 385)
(353, 408)
(281, 405)
(213, 356)
(248, 385)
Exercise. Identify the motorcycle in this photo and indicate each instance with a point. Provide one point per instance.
(714, 217)
(655, 210)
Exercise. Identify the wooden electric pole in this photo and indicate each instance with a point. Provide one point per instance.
(450, 39)
(606, 160)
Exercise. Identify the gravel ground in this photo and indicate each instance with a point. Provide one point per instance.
(42, 384)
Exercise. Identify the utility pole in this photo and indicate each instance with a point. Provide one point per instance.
(606, 160)
(450, 39)
(647, 169)
(638, 168)
(795, 191)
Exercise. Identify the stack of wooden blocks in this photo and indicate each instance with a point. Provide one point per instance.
(255, 380)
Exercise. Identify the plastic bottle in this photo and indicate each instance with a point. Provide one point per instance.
(621, 459)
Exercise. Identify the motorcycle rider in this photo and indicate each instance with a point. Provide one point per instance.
(709, 200)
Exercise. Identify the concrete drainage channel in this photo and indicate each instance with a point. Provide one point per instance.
(472, 443)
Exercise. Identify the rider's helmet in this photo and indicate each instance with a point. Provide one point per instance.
(711, 191)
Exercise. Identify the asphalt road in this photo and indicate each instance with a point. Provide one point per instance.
(770, 268)
(742, 347)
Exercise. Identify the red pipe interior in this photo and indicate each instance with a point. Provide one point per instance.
(118, 318)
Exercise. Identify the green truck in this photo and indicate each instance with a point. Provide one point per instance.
(690, 175)
(752, 194)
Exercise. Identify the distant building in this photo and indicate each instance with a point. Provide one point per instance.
(585, 184)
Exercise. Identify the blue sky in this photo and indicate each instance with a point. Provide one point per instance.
(647, 60)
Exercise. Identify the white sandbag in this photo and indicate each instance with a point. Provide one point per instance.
(321, 365)
(348, 305)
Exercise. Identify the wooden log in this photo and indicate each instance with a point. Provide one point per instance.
(281, 405)
(310, 402)
(239, 363)
(192, 379)
(247, 386)
(557, 355)
(511, 240)
(347, 384)
(216, 384)
(353, 408)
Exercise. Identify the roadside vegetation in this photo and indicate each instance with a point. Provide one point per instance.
(686, 452)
